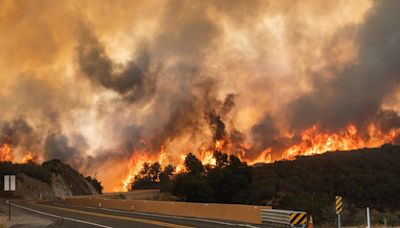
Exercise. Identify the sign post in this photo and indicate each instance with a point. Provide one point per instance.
(339, 208)
(9, 186)
(368, 218)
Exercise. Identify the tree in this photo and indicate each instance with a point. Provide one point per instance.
(193, 164)
(229, 178)
(95, 183)
(147, 177)
(154, 172)
(192, 188)
(223, 183)
(221, 159)
(165, 178)
(153, 176)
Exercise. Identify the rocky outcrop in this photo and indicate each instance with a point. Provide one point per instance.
(51, 180)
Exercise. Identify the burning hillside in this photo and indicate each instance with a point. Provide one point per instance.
(312, 141)
(107, 86)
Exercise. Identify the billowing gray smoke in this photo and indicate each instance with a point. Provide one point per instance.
(356, 94)
(353, 96)
(57, 146)
(176, 112)
(18, 133)
(134, 82)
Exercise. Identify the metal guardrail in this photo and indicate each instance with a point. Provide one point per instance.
(284, 218)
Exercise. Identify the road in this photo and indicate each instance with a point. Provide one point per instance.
(61, 215)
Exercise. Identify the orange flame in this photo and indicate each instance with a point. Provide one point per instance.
(206, 156)
(315, 142)
(5, 153)
(30, 157)
(264, 157)
(219, 145)
(136, 163)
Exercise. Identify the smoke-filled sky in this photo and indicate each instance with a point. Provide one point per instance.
(93, 82)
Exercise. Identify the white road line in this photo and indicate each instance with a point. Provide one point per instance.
(56, 216)
(165, 216)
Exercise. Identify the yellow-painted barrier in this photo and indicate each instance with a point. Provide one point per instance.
(232, 212)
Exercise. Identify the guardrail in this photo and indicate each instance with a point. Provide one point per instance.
(228, 212)
(284, 218)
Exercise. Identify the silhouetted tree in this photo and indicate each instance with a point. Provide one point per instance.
(165, 178)
(95, 183)
(193, 164)
(221, 159)
(192, 188)
(153, 176)
(229, 178)
(154, 172)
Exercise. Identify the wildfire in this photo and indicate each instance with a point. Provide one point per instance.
(207, 156)
(181, 167)
(5, 153)
(30, 157)
(315, 142)
(136, 164)
(264, 157)
(219, 145)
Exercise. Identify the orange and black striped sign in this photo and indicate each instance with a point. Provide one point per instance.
(298, 218)
(339, 204)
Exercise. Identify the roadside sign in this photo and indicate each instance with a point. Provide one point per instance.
(298, 218)
(339, 208)
(9, 183)
(339, 204)
(9, 186)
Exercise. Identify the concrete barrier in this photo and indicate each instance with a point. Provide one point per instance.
(232, 212)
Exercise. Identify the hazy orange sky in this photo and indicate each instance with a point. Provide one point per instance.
(92, 82)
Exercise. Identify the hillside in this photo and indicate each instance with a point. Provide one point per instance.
(50, 180)
(364, 177)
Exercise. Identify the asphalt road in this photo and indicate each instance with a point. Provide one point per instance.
(60, 215)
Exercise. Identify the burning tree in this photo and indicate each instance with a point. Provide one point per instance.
(152, 176)
(221, 182)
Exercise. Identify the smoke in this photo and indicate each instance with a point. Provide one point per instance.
(264, 133)
(56, 146)
(97, 82)
(133, 82)
(18, 133)
(356, 95)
